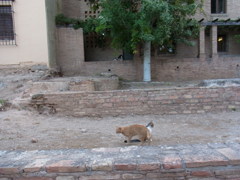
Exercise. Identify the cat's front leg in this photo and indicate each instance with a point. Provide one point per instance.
(129, 139)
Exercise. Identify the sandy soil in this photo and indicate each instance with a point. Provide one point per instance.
(28, 130)
(19, 128)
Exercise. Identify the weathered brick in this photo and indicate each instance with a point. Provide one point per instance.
(36, 165)
(205, 158)
(148, 167)
(224, 172)
(187, 96)
(66, 166)
(232, 155)
(132, 176)
(171, 161)
(65, 178)
(100, 177)
(34, 178)
(9, 170)
(161, 175)
(125, 165)
(153, 175)
(32, 169)
(202, 173)
(102, 166)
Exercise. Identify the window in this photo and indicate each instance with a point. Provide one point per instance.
(7, 35)
(222, 43)
(218, 6)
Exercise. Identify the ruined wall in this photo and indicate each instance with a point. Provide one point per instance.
(125, 102)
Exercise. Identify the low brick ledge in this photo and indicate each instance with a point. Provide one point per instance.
(207, 161)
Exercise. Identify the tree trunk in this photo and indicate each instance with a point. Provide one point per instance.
(147, 62)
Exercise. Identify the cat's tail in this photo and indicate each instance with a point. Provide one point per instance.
(150, 126)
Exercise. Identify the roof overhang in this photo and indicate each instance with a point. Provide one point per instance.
(217, 22)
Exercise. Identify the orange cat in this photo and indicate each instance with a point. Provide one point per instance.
(141, 131)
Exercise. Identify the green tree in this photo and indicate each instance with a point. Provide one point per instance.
(130, 23)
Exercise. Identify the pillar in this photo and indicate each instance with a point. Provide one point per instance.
(202, 50)
(214, 34)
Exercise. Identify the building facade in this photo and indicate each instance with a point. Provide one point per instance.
(28, 34)
(27, 31)
(215, 55)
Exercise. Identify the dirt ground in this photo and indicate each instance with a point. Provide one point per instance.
(28, 130)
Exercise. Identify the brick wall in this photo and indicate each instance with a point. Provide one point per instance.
(232, 11)
(71, 60)
(190, 162)
(187, 69)
(77, 8)
(124, 102)
(70, 50)
(124, 69)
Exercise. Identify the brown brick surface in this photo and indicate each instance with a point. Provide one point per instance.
(202, 173)
(172, 161)
(134, 101)
(9, 170)
(65, 166)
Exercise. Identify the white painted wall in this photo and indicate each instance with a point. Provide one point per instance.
(31, 34)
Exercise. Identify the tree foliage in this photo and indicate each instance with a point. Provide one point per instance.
(132, 22)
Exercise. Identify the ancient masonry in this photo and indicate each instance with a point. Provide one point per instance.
(190, 162)
(185, 100)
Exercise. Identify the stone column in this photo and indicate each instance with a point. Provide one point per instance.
(214, 51)
(202, 51)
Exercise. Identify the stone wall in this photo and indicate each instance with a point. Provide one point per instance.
(190, 162)
(155, 101)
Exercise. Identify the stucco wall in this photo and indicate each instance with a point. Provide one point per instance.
(31, 34)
